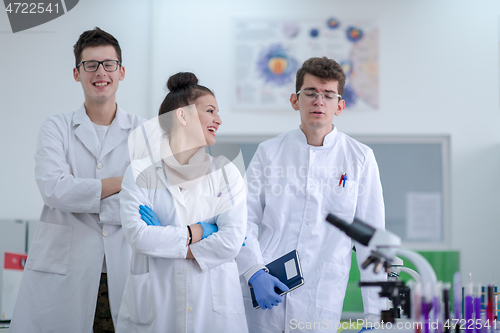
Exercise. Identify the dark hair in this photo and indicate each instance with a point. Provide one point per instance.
(324, 68)
(184, 91)
(95, 38)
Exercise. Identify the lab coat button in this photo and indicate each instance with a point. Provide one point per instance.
(104, 233)
(99, 165)
(190, 309)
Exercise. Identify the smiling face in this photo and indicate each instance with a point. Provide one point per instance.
(317, 113)
(99, 87)
(208, 112)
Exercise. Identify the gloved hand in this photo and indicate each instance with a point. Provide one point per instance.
(148, 215)
(208, 229)
(263, 285)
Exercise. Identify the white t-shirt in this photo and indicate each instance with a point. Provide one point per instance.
(101, 132)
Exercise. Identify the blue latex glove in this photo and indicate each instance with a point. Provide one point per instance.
(148, 215)
(263, 285)
(208, 229)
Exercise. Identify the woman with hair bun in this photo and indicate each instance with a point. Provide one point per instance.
(184, 214)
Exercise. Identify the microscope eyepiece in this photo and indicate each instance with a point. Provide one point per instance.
(357, 230)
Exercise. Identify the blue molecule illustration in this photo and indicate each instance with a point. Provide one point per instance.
(276, 66)
(354, 34)
(314, 33)
(332, 23)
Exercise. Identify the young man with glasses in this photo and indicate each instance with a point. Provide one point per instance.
(78, 249)
(294, 181)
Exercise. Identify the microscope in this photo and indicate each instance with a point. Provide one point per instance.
(386, 246)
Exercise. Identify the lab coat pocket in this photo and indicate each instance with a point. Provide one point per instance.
(50, 249)
(137, 303)
(331, 287)
(340, 200)
(226, 289)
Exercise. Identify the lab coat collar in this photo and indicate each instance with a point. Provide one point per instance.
(85, 131)
(327, 141)
(121, 117)
(117, 132)
(174, 190)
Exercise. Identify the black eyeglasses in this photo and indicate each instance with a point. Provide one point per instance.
(93, 65)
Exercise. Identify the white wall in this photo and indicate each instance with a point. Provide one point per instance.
(438, 75)
(36, 81)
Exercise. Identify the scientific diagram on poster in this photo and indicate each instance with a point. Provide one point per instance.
(268, 53)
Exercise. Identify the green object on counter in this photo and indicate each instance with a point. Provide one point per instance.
(444, 263)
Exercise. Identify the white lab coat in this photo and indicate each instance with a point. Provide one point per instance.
(292, 186)
(178, 294)
(58, 291)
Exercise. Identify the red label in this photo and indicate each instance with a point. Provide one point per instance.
(14, 261)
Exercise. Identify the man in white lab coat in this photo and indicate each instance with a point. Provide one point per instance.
(294, 181)
(78, 251)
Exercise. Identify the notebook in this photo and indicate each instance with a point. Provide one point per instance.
(287, 270)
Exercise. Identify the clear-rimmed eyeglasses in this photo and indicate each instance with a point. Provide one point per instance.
(312, 95)
(93, 65)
